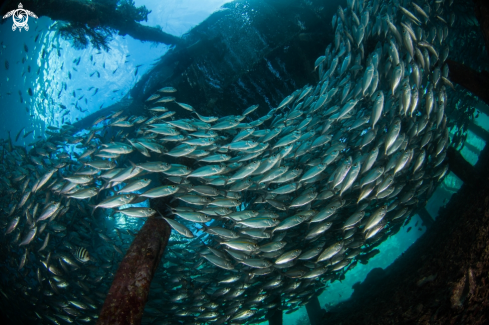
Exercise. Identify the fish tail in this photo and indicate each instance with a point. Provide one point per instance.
(133, 165)
(181, 180)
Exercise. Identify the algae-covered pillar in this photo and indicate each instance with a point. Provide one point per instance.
(128, 294)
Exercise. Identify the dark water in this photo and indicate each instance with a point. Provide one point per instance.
(242, 57)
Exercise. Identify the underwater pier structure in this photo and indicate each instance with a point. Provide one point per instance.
(130, 288)
(441, 278)
(94, 21)
(241, 65)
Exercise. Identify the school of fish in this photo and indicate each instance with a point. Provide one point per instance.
(265, 211)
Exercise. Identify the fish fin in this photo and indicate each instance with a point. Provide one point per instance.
(106, 185)
(204, 228)
(161, 216)
(171, 208)
(93, 207)
(181, 179)
(76, 171)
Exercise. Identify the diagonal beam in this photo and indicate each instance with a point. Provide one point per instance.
(95, 14)
(128, 294)
(479, 131)
(475, 82)
(483, 108)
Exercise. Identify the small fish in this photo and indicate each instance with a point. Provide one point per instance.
(29, 237)
(160, 191)
(81, 254)
(138, 212)
(178, 227)
(18, 134)
(167, 90)
(27, 134)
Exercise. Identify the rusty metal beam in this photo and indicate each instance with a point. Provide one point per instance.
(128, 294)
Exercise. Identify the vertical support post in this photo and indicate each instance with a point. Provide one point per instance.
(128, 294)
(460, 167)
(275, 315)
(425, 217)
(314, 311)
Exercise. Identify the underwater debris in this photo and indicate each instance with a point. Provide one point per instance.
(459, 292)
(426, 279)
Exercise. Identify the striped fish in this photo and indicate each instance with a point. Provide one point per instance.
(81, 254)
